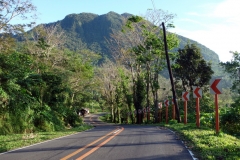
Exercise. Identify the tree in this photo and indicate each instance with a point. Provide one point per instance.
(149, 56)
(9, 10)
(126, 91)
(16, 114)
(230, 119)
(45, 44)
(233, 68)
(191, 69)
(107, 76)
(140, 48)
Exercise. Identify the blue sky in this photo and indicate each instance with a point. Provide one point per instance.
(213, 23)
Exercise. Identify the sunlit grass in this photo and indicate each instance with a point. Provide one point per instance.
(10, 142)
(206, 144)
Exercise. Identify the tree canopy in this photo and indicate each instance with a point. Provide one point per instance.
(191, 69)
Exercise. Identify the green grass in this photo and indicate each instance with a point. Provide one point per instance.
(206, 144)
(10, 142)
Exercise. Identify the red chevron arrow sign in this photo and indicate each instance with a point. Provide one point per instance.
(214, 88)
(166, 102)
(144, 110)
(160, 105)
(197, 92)
(185, 96)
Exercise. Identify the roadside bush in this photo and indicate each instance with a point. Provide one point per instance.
(72, 119)
(230, 121)
(207, 119)
(191, 118)
(173, 121)
(6, 128)
(16, 123)
(48, 121)
(42, 124)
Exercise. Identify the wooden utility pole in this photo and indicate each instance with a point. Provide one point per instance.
(170, 74)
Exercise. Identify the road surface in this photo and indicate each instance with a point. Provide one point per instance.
(107, 142)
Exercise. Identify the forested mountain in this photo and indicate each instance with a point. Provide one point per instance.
(88, 30)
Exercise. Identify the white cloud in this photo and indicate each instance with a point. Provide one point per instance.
(222, 28)
(227, 8)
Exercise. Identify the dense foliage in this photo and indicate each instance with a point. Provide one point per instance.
(231, 116)
(32, 100)
(191, 69)
(40, 87)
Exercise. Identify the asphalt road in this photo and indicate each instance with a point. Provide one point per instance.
(107, 142)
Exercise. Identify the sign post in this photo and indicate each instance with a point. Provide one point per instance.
(144, 113)
(135, 116)
(185, 98)
(197, 93)
(166, 102)
(160, 111)
(214, 89)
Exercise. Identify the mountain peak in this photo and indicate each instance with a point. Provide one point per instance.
(90, 31)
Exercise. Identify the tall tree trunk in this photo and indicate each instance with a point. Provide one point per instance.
(112, 117)
(119, 116)
(134, 93)
(156, 107)
(115, 115)
(156, 98)
(72, 99)
(131, 115)
(148, 82)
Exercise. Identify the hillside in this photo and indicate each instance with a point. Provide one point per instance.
(90, 31)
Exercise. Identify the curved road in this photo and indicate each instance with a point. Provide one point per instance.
(108, 142)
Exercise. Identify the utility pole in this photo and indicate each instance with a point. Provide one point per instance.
(170, 74)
